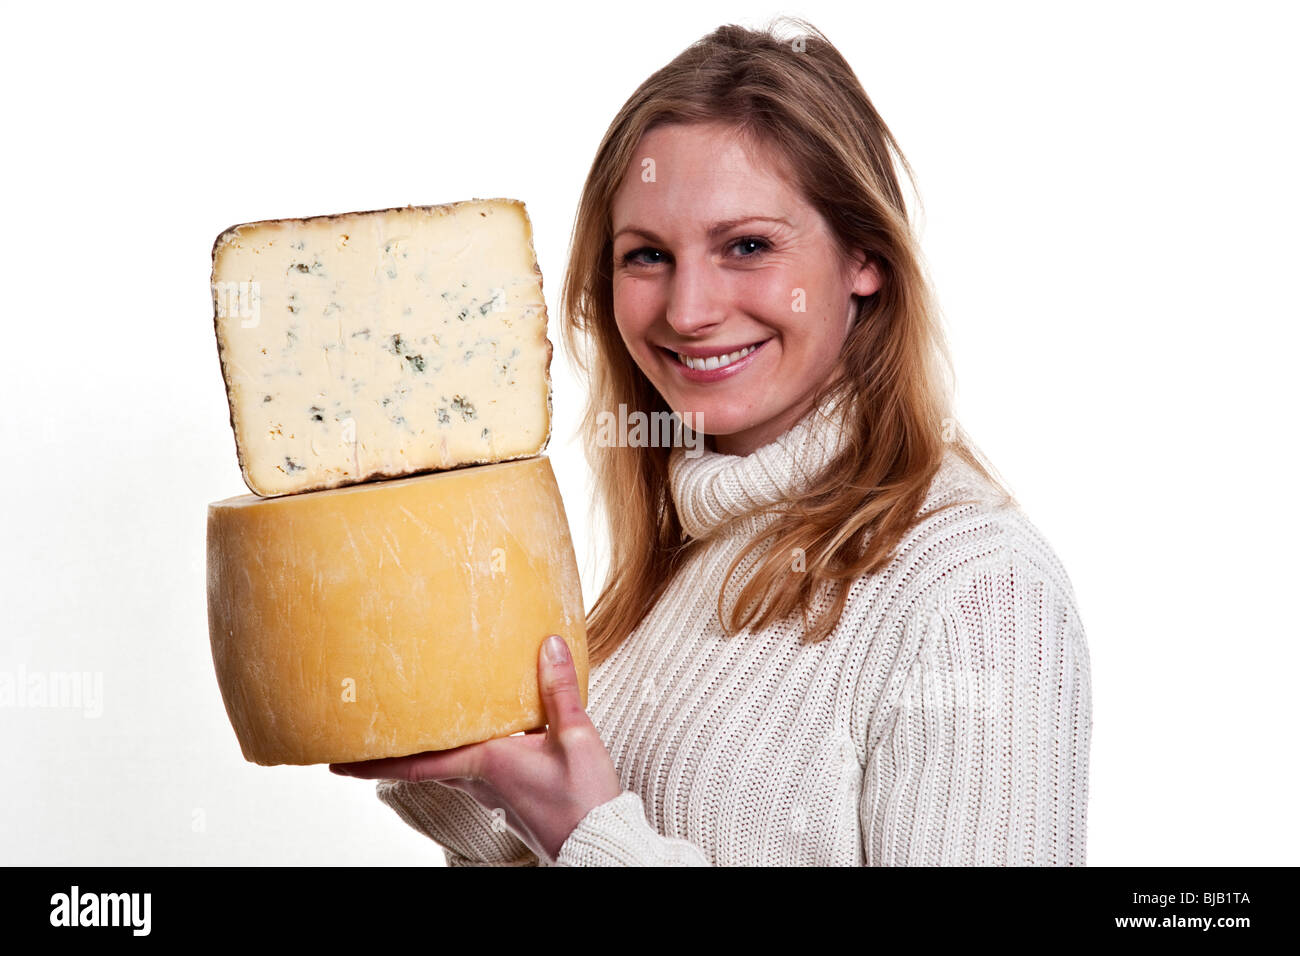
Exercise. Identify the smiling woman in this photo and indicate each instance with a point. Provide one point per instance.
(716, 263)
(833, 638)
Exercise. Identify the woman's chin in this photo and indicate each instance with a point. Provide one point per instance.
(716, 422)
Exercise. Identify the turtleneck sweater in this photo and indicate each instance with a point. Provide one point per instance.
(946, 720)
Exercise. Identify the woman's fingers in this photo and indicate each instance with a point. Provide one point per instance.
(558, 681)
(435, 765)
(471, 763)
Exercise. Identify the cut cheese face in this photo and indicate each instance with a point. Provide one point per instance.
(394, 617)
(381, 344)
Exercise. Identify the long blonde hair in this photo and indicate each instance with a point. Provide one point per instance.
(799, 96)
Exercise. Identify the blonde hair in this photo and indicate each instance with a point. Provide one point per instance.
(799, 96)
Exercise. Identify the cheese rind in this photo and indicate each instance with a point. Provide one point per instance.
(391, 618)
(382, 344)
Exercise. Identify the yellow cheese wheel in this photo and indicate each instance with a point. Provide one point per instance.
(393, 617)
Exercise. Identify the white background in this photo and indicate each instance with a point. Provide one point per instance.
(1111, 204)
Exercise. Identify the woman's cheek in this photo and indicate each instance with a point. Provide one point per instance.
(634, 313)
(634, 307)
(773, 298)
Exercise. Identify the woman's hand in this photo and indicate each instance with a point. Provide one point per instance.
(545, 781)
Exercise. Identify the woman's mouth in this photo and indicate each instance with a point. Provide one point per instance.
(715, 366)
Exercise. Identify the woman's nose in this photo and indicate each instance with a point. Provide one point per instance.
(694, 301)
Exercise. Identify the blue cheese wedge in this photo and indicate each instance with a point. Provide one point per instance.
(371, 345)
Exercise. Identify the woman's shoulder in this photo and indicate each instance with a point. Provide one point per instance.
(967, 524)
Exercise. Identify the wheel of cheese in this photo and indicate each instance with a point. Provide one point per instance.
(391, 618)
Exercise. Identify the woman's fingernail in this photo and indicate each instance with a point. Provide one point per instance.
(557, 652)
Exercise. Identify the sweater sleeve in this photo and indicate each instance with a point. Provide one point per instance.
(469, 834)
(616, 833)
(985, 761)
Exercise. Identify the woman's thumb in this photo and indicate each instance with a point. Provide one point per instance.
(558, 681)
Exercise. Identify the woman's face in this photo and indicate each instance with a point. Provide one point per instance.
(730, 292)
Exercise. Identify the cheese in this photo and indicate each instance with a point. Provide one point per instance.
(381, 344)
(393, 617)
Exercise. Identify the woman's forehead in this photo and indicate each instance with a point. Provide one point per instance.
(700, 176)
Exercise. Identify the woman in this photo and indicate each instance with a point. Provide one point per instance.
(830, 638)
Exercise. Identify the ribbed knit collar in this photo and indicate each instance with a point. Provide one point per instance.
(713, 488)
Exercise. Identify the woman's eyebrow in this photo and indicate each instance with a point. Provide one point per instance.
(719, 227)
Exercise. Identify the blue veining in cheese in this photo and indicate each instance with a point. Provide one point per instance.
(379, 344)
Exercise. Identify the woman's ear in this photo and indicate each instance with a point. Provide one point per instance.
(867, 279)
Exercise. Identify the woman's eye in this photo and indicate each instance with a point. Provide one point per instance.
(643, 256)
(750, 246)
(747, 248)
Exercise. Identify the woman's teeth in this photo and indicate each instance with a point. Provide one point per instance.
(714, 361)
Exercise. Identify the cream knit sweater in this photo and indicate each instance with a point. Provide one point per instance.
(946, 720)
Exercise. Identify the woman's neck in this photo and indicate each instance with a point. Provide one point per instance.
(751, 439)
